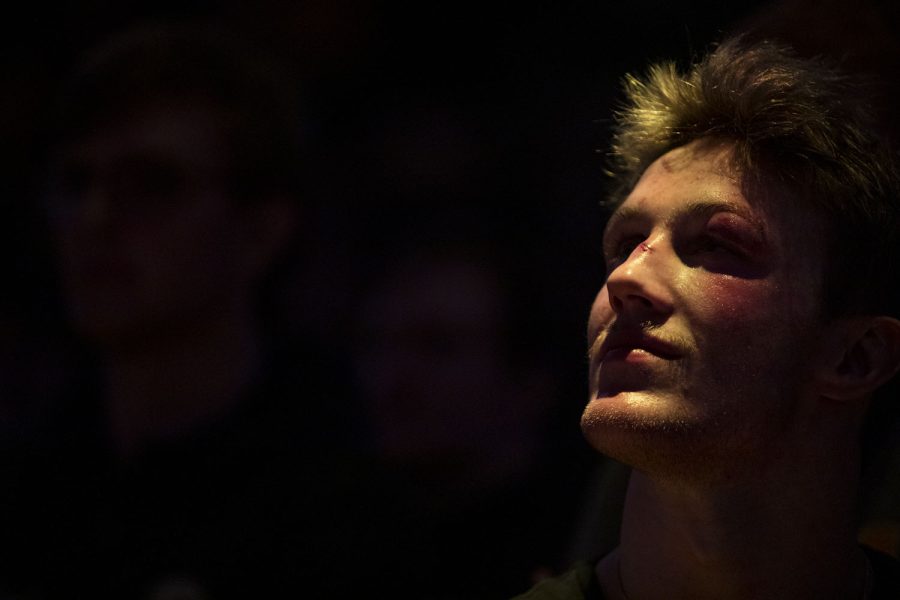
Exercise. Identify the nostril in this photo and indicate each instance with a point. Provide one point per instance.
(636, 301)
(616, 303)
(642, 300)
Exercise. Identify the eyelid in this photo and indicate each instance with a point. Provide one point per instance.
(721, 244)
(734, 230)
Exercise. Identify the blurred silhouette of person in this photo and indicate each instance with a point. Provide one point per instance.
(455, 365)
(207, 457)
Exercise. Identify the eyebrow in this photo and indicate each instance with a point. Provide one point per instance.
(693, 209)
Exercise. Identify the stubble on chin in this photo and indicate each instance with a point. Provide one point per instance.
(669, 438)
(644, 430)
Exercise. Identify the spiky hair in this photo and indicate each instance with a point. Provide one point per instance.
(794, 122)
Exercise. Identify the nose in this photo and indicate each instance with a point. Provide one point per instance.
(96, 207)
(640, 286)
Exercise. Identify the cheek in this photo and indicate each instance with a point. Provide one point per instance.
(601, 314)
(733, 301)
(748, 328)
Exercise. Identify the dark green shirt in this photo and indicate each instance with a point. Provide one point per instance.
(580, 583)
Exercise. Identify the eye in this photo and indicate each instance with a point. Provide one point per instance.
(149, 181)
(713, 244)
(619, 249)
(714, 252)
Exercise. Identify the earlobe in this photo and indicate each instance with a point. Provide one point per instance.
(865, 354)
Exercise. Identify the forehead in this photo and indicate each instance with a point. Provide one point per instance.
(684, 178)
(180, 132)
(702, 178)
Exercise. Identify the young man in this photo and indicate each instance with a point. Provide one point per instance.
(748, 317)
(209, 452)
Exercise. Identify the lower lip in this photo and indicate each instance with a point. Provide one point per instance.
(628, 355)
(636, 365)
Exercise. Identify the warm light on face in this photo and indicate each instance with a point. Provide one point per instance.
(705, 312)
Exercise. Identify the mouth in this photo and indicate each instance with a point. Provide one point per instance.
(627, 344)
(629, 359)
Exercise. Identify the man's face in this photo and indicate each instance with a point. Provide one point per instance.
(431, 364)
(149, 240)
(701, 337)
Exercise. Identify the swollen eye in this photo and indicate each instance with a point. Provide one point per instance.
(710, 244)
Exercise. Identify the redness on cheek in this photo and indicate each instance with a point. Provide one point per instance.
(736, 298)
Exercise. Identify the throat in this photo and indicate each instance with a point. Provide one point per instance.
(733, 543)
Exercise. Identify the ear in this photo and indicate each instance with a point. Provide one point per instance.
(863, 354)
(269, 226)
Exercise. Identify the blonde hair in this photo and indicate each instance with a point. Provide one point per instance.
(796, 122)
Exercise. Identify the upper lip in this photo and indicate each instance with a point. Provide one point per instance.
(638, 339)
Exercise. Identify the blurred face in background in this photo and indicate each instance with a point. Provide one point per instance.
(148, 238)
(445, 399)
(432, 362)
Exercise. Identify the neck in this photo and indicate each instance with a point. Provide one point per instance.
(179, 381)
(779, 533)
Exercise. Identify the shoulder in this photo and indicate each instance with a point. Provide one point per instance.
(579, 583)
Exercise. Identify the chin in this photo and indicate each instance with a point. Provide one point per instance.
(640, 410)
(659, 435)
